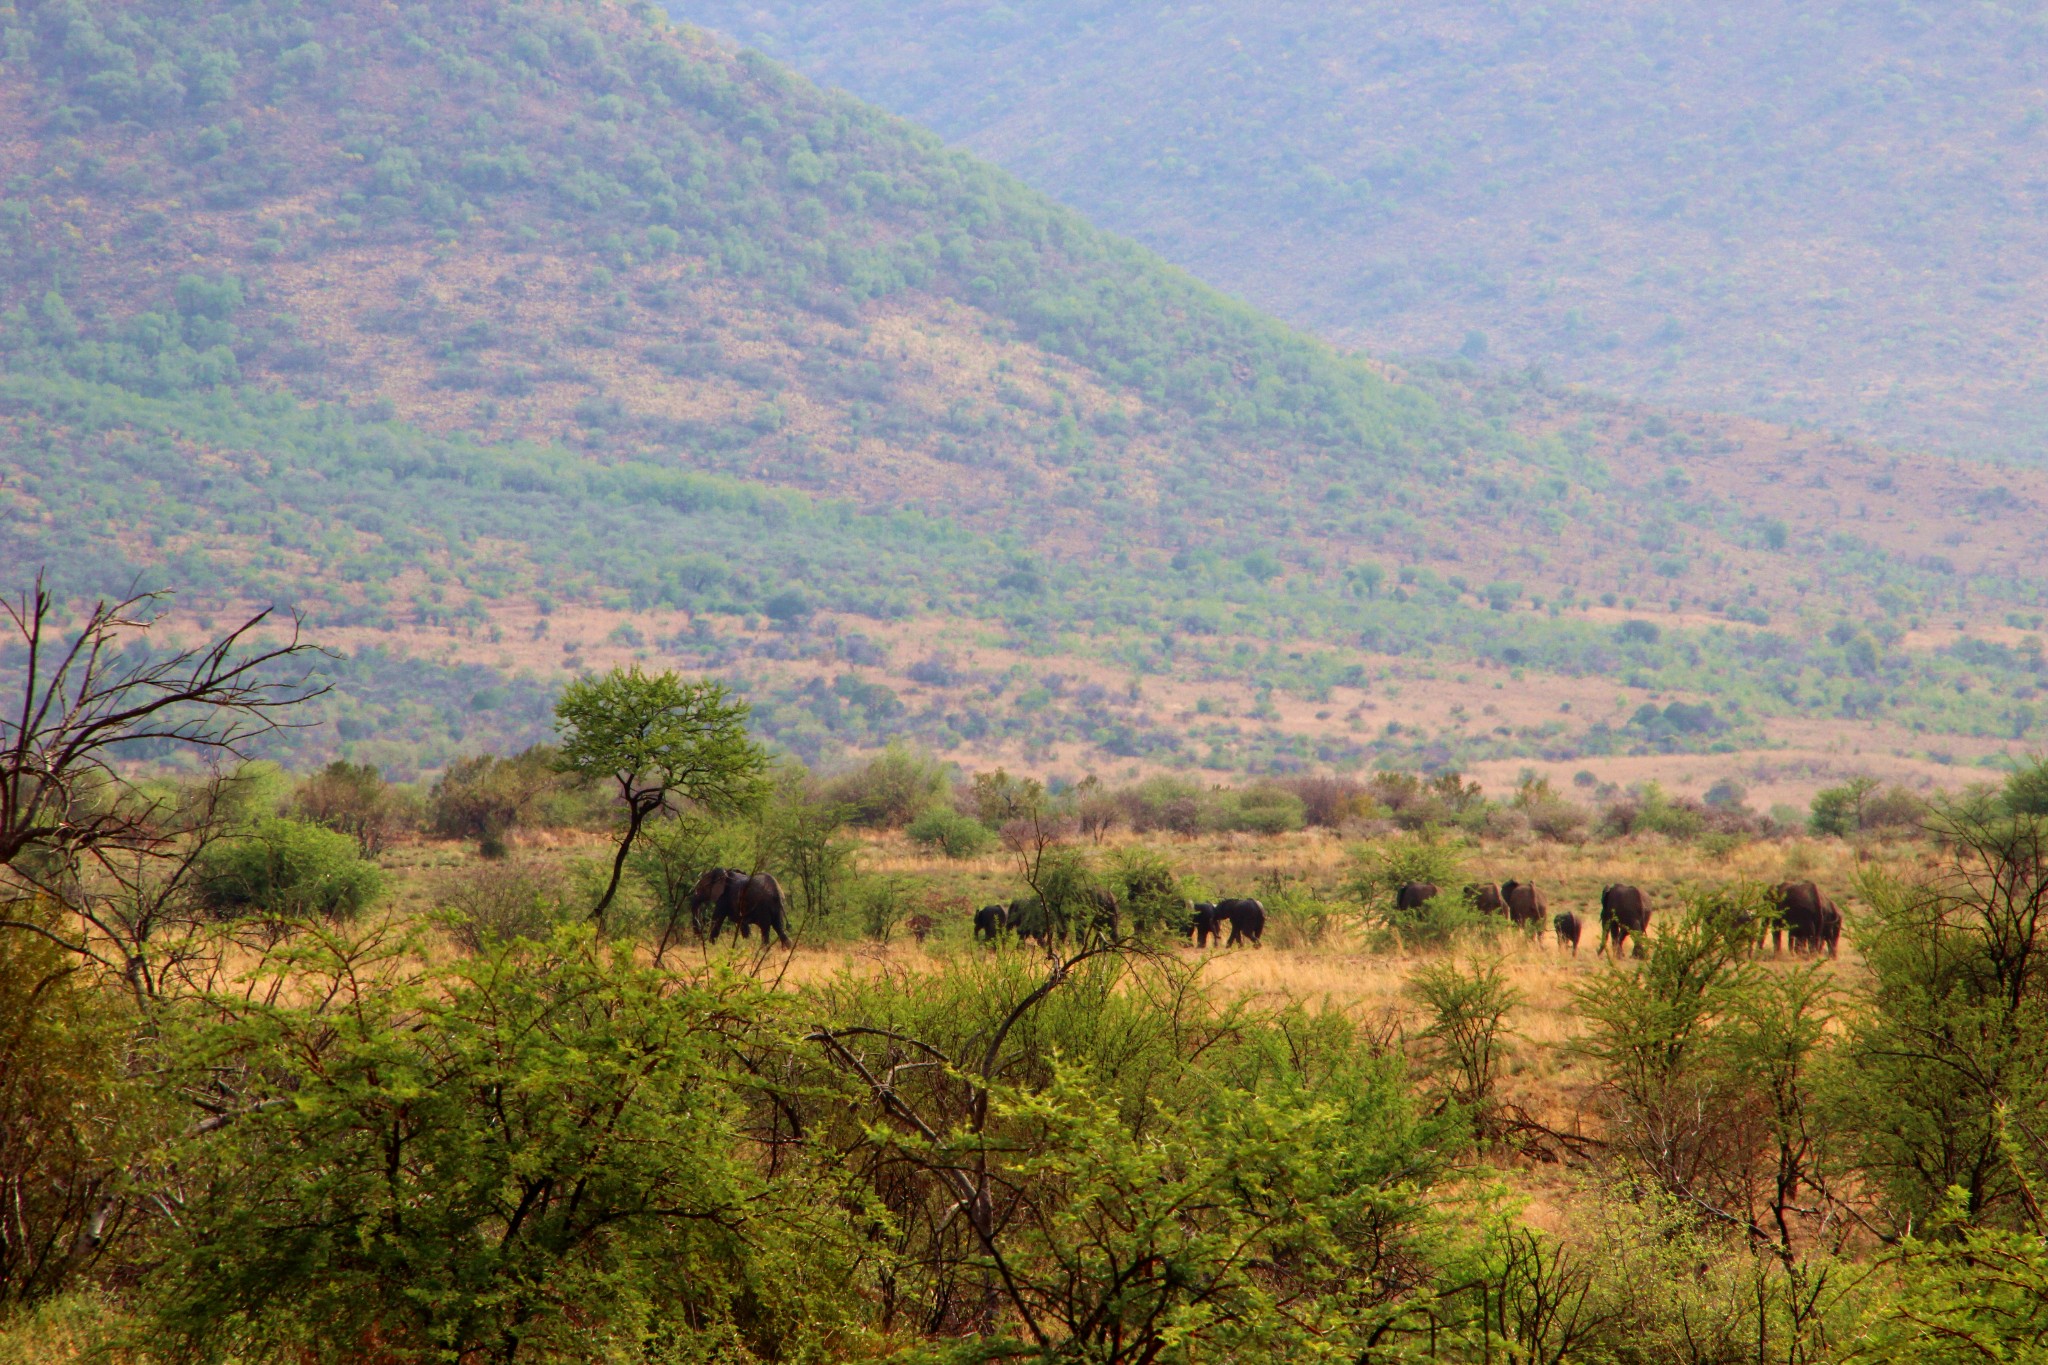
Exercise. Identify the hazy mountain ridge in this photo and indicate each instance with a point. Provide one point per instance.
(1825, 213)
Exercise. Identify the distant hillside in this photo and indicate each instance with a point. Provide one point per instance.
(509, 340)
(1828, 213)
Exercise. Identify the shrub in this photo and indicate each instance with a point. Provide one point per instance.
(1436, 924)
(1468, 1033)
(1149, 891)
(1650, 810)
(488, 797)
(1331, 802)
(1379, 870)
(354, 799)
(1163, 805)
(1860, 806)
(64, 1108)
(288, 869)
(891, 789)
(1263, 810)
(949, 832)
(1416, 803)
(497, 902)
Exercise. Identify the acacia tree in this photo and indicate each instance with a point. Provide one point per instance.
(92, 699)
(661, 740)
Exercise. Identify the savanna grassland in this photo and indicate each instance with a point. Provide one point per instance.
(353, 1072)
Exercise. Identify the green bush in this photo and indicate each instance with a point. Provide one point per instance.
(1380, 870)
(288, 869)
(1149, 891)
(1437, 923)
(496, 902)
(947, 831)
(1264, 810)
(891, 789)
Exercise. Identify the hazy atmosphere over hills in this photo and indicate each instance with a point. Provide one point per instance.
(1832, 213)
(509, 341)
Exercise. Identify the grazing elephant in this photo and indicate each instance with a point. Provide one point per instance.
(1247, 919)
(1207, 924)
(1026, 918)
(1623, 911)
(1526, 906)
(747, 901)
(1414, 896)
(1097, 920)
(1485, 897)
(1567, 926)
(1807, 918)
(990, 921)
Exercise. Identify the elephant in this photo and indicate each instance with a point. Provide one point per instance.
(1566, 926)
(1485, 897)
(1526, 906)
(1247, 919)
(1207, 924)
(1414, 895)
(1623, 911)
(1807, 918)
(747, 901)
(990, 921)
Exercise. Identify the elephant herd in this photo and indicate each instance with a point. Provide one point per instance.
(1801, 913)
(1026, 918)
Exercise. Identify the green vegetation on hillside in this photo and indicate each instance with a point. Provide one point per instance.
(448, 324)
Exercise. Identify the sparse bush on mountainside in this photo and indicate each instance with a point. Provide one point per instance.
(121, 364)
(1429, 166)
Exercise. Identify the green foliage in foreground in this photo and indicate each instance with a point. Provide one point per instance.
(552, 1151)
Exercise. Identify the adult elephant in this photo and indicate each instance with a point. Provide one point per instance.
(1485, 897)
(1247, 920)
(1807, 918)
(1026, 918)
(1095, 916)
(1414, 895)
(1623, 911)
(1092, 918)
(1526, 906)
(747, 902)
(990, 921)
(1207, 924)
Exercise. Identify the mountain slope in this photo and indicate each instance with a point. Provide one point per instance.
(510, 340)
(1831, 213)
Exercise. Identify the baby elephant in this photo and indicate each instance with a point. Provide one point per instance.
(1567, 926)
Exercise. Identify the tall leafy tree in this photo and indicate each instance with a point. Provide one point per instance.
(662, 740)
